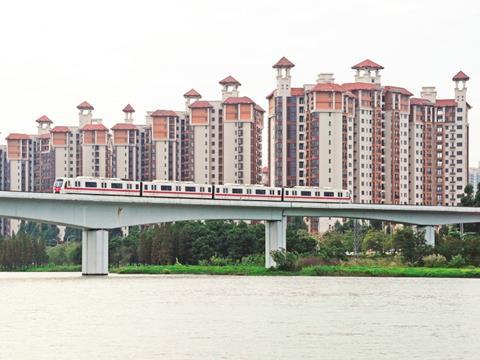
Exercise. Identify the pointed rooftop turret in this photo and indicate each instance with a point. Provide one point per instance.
(283, 63)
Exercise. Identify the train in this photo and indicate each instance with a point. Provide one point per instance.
(190, 190)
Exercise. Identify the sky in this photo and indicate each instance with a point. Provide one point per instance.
(56, 54)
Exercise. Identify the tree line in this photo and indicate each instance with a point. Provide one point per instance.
(21, 251)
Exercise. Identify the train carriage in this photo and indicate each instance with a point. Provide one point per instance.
(248, 192)
(176, 189)
(96, 186)
(316, 194)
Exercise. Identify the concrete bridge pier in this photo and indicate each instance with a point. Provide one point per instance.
(275, 239)
(430, 235)
(95, 252)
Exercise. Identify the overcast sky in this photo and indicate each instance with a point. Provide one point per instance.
(55, 54)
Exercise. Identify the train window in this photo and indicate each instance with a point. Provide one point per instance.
(279, 192)
(178, 188)
(305, 193)
(340, 194)
(90, 184)
(67, 183)
(190, 188)
(77, 183)
(104, 185)
(260, 192)
(317, 193)
(154, 187)
(136, 186)
(209, 189)
(145, 187)
(286, 192)
(217, 190)
(272, 192)
(202, 189)
(328, 193)
(129, 186)
(116, 185)
(166, 188)
(237, 191)
(225, 190)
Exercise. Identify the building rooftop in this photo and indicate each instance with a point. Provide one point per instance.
(367, 64)
(398, 89)
(328, 87)
(229, 80)
(128, 109)
(192, 93)
(94, 127)
(238, 100)
(361, 86)
(283, 63)
(85, 106)
(44, 119)
(445, 102)
(461, 76)
(124, 126)
(259, 108)
(420, 101)
(163, 113)
(200, 104)
(17, 136)
(60, 129)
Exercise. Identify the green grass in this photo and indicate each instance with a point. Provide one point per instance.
(252, 270)
(326, 270)
(391, 271)
(54, 268)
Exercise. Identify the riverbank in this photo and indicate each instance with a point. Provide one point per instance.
(325, 270)
(252, 270)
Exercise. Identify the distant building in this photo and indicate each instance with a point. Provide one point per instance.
(474, 177)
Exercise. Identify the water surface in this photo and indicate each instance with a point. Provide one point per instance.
(67, 316)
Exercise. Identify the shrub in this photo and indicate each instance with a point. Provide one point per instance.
(258, 259)
(285, 260)
(434, 260)
(217, 261)
(311, 261)
(457, 261)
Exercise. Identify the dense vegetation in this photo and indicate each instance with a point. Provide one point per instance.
(221, 243)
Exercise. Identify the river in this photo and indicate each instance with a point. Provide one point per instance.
(67, 316)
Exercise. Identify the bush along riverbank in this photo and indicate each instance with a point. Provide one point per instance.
(320, 270)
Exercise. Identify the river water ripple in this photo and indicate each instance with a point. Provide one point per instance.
(67, 316)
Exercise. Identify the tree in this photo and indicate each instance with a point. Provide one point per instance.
(467, 198)
(450, 245)
(72, 234)
(374, 240)
(300, 241)
(471, 249)
(411, 245)
(331, 246)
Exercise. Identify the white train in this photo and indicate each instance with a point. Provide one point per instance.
(183, 189)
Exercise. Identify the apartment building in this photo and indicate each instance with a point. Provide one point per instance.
(310, 131)
(439, 136)
(375, 140)
(226, 137)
